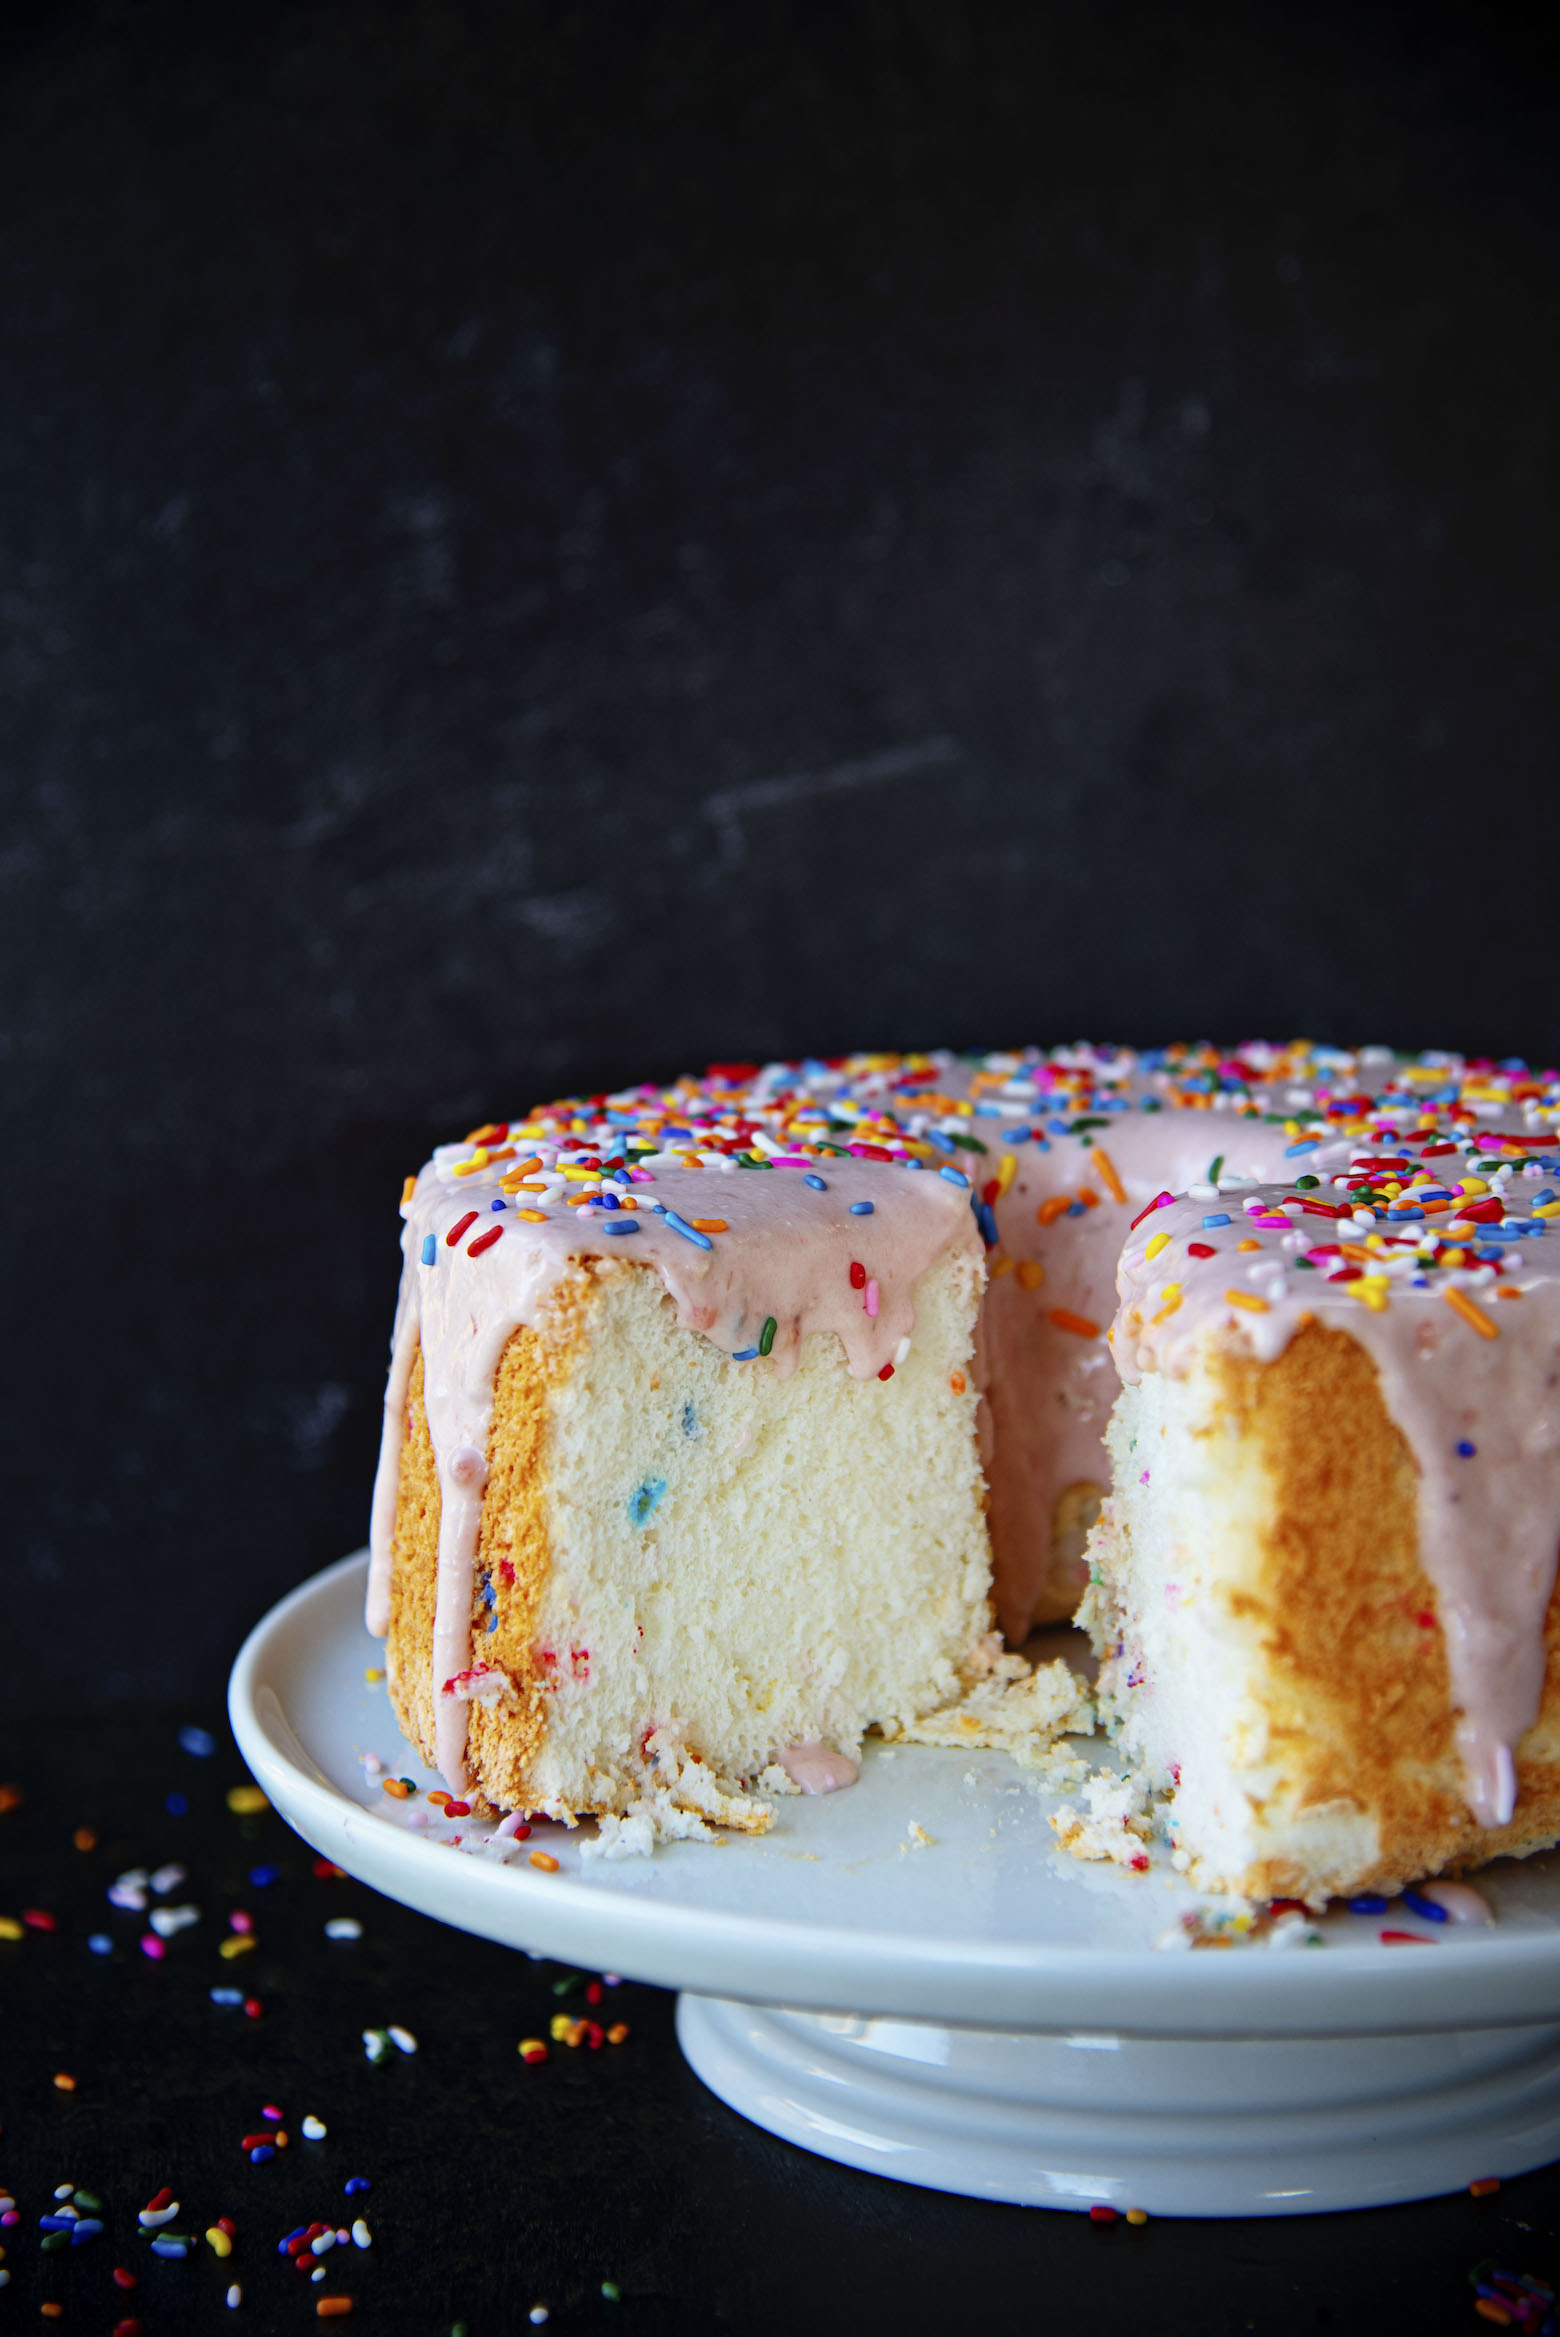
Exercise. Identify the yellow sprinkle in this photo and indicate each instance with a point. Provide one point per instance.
(1247, 1299)
(1473, 1315)
(1137, 2215)
(558, 2028)
(1172, 1301)
(582, 1176)
(10, 1928)
(469, 1168)
(245, 1800)
(373, 1673)
(219, 2241)
(239, 1945)
(1156, 1243)
(1008, 1171)
(407, 1190)
(1108, 1177)
(1547, 1209)
(533, 1216)
(998, 1266)
(1030, 1273)
(1371, 1289)
(1248, 1245)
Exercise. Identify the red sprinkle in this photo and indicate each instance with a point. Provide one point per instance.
(459, 1227)
(253, 2007)
(1160, 1201)
(163, 2199)
(122, 2278)
(1201, 1250)
(328, 1871)
(130, 2328)
(36, 1919)
(887, 1371)
(457, 1809)
(1406, 1939)
(1099, 2214)
(858, 1275)
(484, 1241)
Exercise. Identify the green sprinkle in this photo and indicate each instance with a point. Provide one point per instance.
(753, 1160)
(1077, 1127)
(1306, 1265)
(766, 1337)
(1305, 1184)
(569, 1982)
(86, 2199)
(611, 2291)
(973, 1143)
(1214, 1167)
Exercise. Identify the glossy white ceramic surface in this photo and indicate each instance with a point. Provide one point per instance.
(993, 1997)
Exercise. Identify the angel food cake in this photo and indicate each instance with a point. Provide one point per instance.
(730, 1420)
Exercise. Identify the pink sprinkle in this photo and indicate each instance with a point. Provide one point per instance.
(1462, 1902)
(152, 1946)
(240, 1922)
(270, 2110)
(870, 1302)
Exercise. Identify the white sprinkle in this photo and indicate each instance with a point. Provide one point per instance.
(371, 1763)
(339, 1927)
(323, 2245)
(313, 2129)
(235, 2297)
(376, 2044)
(152, 2219)
(319, 2271)
(362, 2237)
(402, 2037)
(61, 2191)
(166, 1879)
(165, 1921)
(539, 2314)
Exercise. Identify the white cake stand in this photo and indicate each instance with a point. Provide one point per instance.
(978, 2014)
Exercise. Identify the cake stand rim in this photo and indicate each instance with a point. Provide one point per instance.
(1494, 1982)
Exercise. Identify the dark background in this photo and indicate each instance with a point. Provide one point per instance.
(540, 546)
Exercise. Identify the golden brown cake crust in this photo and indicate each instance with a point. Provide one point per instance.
(1357, 1686)
(514, 1540)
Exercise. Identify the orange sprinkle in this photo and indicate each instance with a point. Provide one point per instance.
(708, 1224)
(1248, 1245)
(1030, 1273)
(533, 1216)
(1507, 1290)
(396, 1789)
(481, 1135)
(52, 2311)
(64, 2081)
(438, 1797)
(1065, 1320)
(1056, 1207)
(957, 1382)
(545, 1860)
(1172, 1301)
(1474, 1316)
(1248, 1299)
(333, 2308)
(618, 2033)
(1484, 2186)
(1088, 1196)
(10, 1798)
(1108, 1177)
(85, 1839)
(1486, 2307)
(407, 1190)
(997, 1265)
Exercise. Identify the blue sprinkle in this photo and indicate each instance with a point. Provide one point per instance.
(690, 1420)
(87, 2227)
(622, 1225)
(1466, 1450)
(955, 1177)
(647, 1500)
(1306, 1144)
(175, 1804)
(1540, 1198)
(179, 2249)
(864, 1208)
(430, 1249)
(500, 1204)
(1078, 1209)
(227, 1996)
(689, 1233)
(198, 1741)
(282, 2245)
(1017, 1135)
(257, 2158)
(985, 1218)
(944, 1143)
(1430, 1909)
(259, 1876)
(492, 1623)
(608, 1200)
(57, 2223)
(489, 1596)
(816, 1183)
(101, 1944)
(1056, 1127)
(989, 1111)
(1217, 1217)
(353, 2185)
(1368, 1906)
(744, 1355)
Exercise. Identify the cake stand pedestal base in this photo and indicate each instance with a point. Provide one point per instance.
(1177, 2126)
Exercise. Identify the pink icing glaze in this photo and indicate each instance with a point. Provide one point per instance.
(816, 1767)
(1462, 1902)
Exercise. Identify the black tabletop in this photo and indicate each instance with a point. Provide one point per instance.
(603, 2185)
